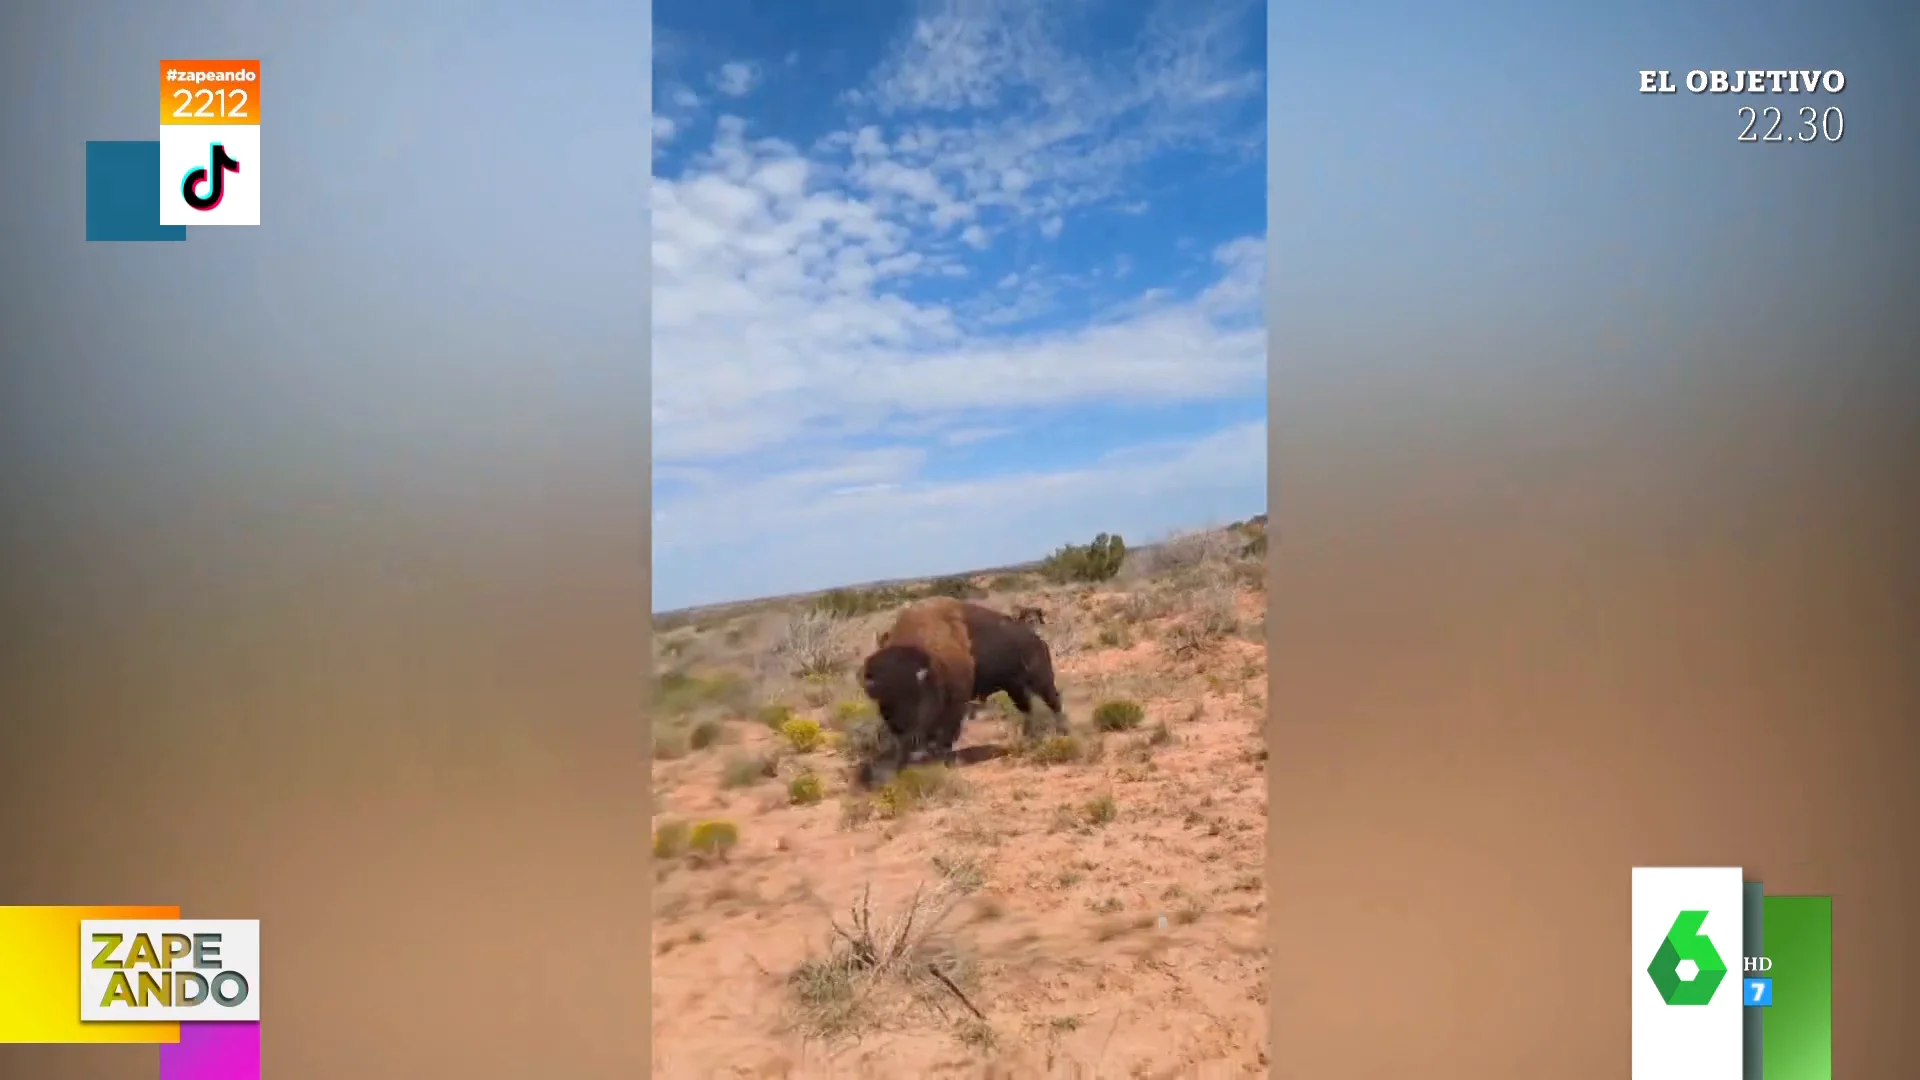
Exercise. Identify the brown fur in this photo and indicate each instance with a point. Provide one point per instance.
(920, 705)
(937, 625)
(922, 674)
(1010, 657)
(1031, 616)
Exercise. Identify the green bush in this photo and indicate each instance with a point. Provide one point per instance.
(669, 839)
(956, 587)
(1118, 715)
(775, 717)
(803, 735)
(743, 770)
(852, 603)
(848, 713)
(679, 692)
(713, 838)
(915, 786)
(804, 790)
(1098, 561)
(1056, 750)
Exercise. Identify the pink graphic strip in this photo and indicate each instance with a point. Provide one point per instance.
(228, 1050)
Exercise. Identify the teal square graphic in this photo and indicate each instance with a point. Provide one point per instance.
(122, 204)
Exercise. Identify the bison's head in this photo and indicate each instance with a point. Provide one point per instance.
(1032, 616)
(899, 679)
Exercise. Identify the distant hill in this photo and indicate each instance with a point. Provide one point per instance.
(666, 620)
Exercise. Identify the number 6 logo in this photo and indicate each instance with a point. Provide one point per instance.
(1685, 942)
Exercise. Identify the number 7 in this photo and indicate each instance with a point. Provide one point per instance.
(1759, 989)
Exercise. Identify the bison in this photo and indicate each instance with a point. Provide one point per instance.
(1009, 657)
(921, 676)
(940, 656)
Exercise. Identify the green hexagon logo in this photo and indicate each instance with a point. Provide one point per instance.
(1685, 943)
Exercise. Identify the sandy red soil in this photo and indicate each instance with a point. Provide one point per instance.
(1104, 915)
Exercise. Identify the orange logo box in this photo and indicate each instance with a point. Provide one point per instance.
(223, 93)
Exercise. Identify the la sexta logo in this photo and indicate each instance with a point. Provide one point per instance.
(214, 177)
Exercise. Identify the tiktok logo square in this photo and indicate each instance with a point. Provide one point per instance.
(210, 175)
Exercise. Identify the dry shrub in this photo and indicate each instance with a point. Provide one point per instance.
(745, 770)
(1215, 611)
(705, 733)
(1210, 616)
(1187, 552)
(875, 966)
(915, 786)
(1066, 638)
(812, 643)
(1145, 605)
(1062, 749)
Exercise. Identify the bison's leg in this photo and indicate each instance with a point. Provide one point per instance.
(940, 747)
(901, 749)
(945, 730)
(911, 747)
(1042, 684)
(1021, 699)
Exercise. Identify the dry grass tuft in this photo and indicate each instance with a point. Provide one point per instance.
(876, 968)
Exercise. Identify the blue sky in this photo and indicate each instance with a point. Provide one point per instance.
(943, 285)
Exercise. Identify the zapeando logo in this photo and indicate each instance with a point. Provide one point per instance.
(214, 176)
(1685, 943)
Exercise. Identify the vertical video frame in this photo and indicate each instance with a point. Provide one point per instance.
(959, 492)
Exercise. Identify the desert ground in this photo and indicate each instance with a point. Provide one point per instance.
(1076, 897)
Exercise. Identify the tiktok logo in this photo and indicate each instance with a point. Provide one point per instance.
(214, 177)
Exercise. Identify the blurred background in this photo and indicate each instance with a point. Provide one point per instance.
(1594, 478)
(324, 588)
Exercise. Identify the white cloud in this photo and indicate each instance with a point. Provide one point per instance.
(664, 129)
(909, 528)
(736, 78)
(1070, 126)
(919, 188)
(777, 311)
